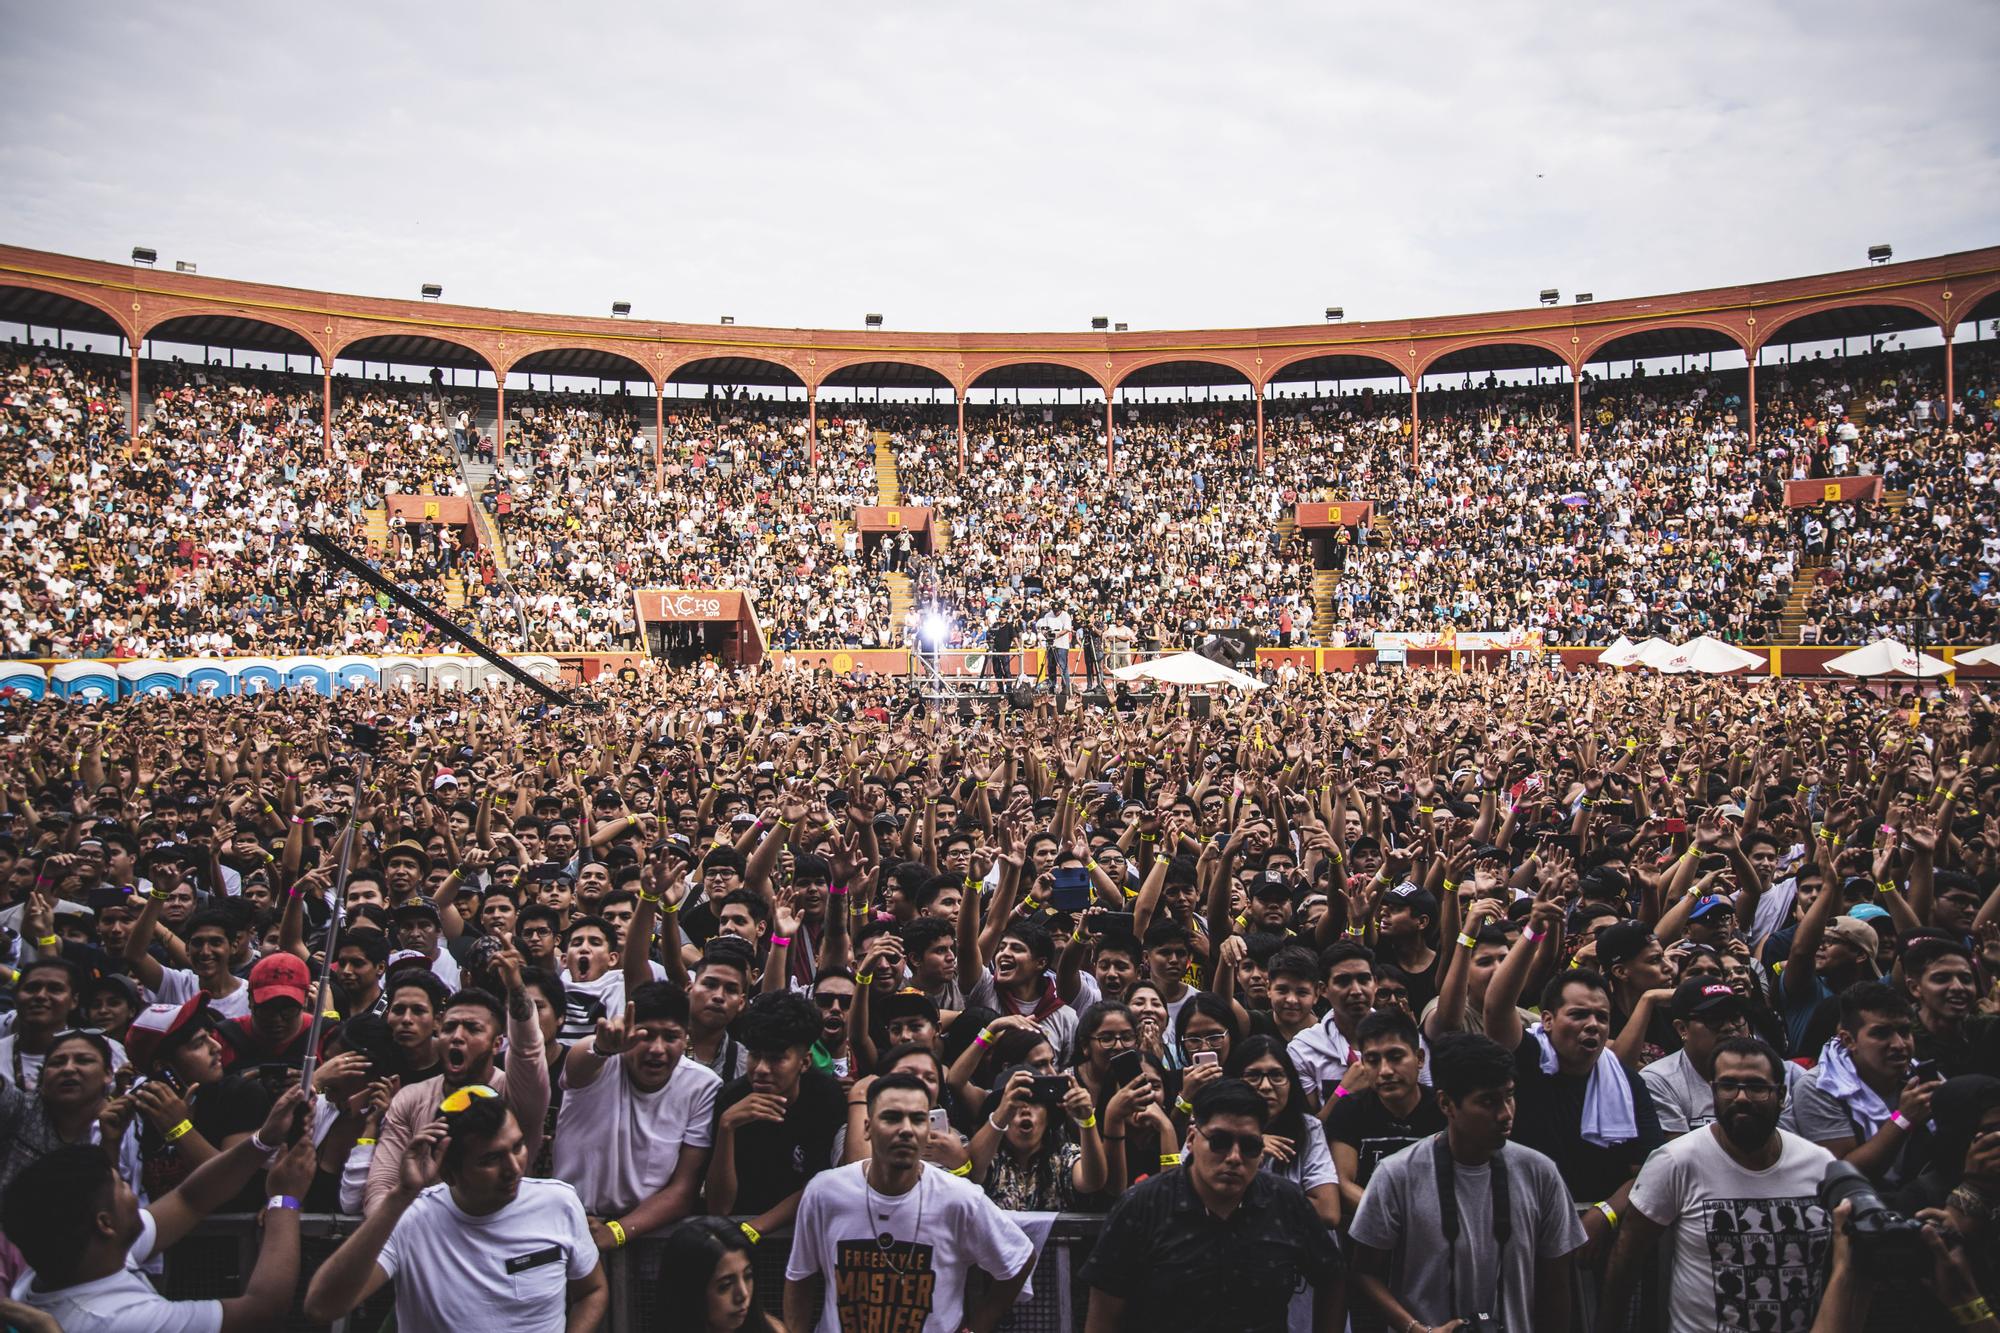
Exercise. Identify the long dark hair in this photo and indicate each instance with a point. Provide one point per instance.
(1289, 1123)
(1092, 1019)
(689, 1257)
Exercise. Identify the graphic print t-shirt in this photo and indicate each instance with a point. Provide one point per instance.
(1750, 1247)
(898, 1263)
(1364, 1124)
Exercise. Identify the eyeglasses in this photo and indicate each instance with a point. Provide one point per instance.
(1224, 1142)
(1255, 1077)
(832, 1000)
(1116, 1039)
(1754, 1089)
(464, 1097)
(1205, 1041)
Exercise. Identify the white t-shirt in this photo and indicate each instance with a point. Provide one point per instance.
(1749, 1247)
(937, 1230)
(30, 1065)
(511, 1268)
(178, 986)
(1058, 1025)
(125, 1300)
(608, 990)
(618, 1146)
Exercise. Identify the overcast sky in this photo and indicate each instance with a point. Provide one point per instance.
(1002, 166)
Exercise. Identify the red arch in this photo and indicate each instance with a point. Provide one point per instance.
(1315, 353)
(1589, 348)
(1968, 301)
(1768, 333)
(943, 363)
(1127, 371)
(629, 355)
(676, 363)
(74, 292)
(1563, 352)
(499, 371)
(1082, 367)
(153, 322)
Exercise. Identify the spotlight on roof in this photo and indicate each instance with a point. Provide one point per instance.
(1550, 296)
(1119, 327)
(145, 254)
(872, 321)
(1583, 298)
(1334, 314)
(184, 266)
(729, 319)
(1100, 322)
(620, 309)
(432, 291)
(1879, 254)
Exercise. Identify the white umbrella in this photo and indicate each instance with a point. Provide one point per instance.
(1887, 657)
(1627, 653)
(1987, 656)
(1708, 655)
(1657, 654)
(1188, 669)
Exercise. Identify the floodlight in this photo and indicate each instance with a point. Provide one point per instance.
(1550, 296)
(144, 254)
(432, 291)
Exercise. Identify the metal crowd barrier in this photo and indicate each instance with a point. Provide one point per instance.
(216, 1261)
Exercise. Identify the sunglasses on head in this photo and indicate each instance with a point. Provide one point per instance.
(464, 1097)
(1224, 1142)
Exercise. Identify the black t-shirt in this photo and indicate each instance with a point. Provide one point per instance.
(773, 1161)
(1548, 1117)
(1373, 1130)
(1974, 1050)
(237, 1104)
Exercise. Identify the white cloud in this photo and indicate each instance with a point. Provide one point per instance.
(1003, 166)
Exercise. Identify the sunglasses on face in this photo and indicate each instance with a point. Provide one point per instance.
(1224, 1142)
(832, 1000)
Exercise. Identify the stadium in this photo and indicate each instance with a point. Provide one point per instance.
(1299, 670)
(1374, 483)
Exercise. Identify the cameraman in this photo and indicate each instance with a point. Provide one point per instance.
(1845, 1300)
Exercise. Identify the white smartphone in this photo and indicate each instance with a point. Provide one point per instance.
(940, 1122)
(1207, 1058)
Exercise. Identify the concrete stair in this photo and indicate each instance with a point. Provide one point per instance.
(901, 598)
(887, 487)
(1794, 613)
(375, 529)
(454, 591)
(1323, 583)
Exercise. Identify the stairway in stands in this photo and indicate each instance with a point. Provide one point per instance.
(889, 494)
(1323, 581)
(1794, 613)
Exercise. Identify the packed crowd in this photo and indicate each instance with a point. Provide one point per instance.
(1440, 1001)
(1664, 523)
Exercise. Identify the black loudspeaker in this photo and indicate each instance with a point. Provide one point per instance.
(1021, 697)
(1096, 699)
(964, 709)
(1199, 706)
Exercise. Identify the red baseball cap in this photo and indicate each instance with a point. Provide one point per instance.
(160, 1029)
(279, 976)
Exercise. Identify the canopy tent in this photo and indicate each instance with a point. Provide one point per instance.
(1188, 669)
(1987, 656)
(1887, 657)
(1707, 655)
(1654, 653)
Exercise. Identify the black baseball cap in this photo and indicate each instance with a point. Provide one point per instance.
(1707, 999)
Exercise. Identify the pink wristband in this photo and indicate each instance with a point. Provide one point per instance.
(1340, 1091)
(1897, 1119)
(836, 890)
(1528, 934)
(785, 940)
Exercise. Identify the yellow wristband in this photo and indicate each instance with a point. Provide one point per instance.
(364, 1143)
(1170, 1159)
(749, 1231)
(1467, 940)
(179, 1132)
(1610, 1213)
(49, 941)
(1088, 1122)
(962, 1169)
(617, 1231)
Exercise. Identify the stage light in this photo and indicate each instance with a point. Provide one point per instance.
(432, 291)
(1550, 296)
(144, 254)
(934, 629)
(1879, 254)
